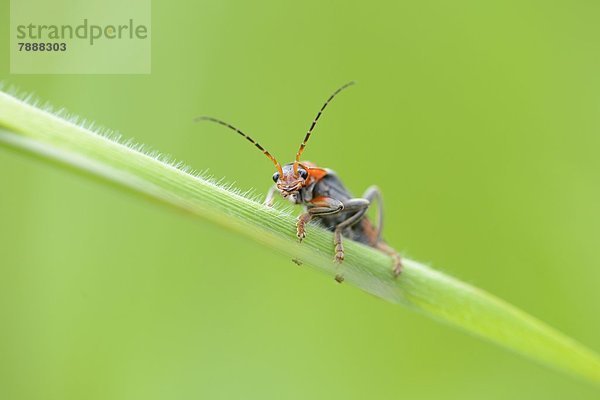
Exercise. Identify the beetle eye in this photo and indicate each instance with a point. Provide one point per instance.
(275, 176)
(303, 174)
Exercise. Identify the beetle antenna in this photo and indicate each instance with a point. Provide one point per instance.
(312, 126)
(255, 143)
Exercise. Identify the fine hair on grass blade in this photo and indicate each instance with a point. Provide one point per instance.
(59, 139)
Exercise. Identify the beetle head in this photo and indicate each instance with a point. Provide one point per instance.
(291, 179)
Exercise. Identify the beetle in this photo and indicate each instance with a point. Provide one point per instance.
(325, 198)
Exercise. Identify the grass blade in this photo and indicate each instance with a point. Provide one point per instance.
(52, 137)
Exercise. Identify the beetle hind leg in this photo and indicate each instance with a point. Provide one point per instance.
(360, 207)
(384, 247)
(373, 194)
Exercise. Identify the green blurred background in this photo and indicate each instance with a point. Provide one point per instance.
(480, 122)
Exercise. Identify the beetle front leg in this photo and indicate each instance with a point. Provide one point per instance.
(270, 196)
(303, 219)
(319, 206)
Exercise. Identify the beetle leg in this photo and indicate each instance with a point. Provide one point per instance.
(374, 194)
(303, 219)
(270, 196)
(320, 206)
(383, 246)
(358, 205)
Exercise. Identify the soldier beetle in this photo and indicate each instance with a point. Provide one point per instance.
(325, 198)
